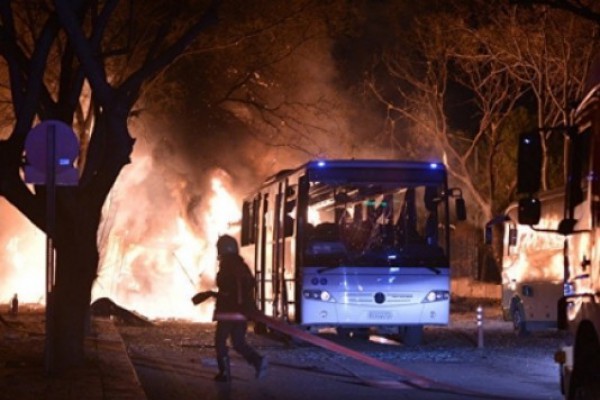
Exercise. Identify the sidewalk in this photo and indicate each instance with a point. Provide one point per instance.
(107, 374)
(119, 380)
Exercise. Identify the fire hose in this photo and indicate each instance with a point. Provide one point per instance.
(410, 378)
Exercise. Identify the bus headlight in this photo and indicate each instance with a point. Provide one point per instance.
(316, 294)
(436, 295)
(568, 289)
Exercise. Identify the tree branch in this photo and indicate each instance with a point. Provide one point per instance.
(574, 7)
(129, 90)
(94, 70)
(35, 85)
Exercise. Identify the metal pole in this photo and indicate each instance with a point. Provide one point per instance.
(183, 269)
(479, 327)
(50, 254)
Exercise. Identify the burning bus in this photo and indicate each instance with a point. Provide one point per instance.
(579, 226)
(353, 245)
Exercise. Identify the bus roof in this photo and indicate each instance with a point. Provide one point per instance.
(374, 164)
(320, 165)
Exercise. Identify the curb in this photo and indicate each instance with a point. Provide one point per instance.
(118, 376)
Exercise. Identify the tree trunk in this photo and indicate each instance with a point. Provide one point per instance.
(76, 267)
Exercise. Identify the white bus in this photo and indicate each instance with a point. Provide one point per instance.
(532, 266)
(354, 245)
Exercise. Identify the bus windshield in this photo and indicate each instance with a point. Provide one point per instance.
(376, 224)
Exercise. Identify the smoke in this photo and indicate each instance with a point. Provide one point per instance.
(299, 113)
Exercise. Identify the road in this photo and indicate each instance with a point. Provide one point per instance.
(175, 360)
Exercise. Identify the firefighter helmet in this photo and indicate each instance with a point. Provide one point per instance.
(227, 245)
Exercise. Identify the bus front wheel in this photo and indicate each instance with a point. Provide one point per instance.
(412, 335)
(357, 333)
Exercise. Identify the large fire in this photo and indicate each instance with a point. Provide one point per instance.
(23, 258)
(154, 273)
(158, 276)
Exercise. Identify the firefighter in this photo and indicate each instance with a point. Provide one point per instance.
(235, 297)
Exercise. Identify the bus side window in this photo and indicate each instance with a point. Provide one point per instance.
(431, 232)
(266, 218)
(431, 200)
(406, 225)
(511, 241)
(288, 223)
(289, 211)
(247, 223)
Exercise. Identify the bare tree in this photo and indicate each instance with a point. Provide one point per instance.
(501, 58)
(450, 54)
(585, 9)
(62, 60)
(551, 57)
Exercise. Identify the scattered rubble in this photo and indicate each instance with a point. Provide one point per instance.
(105, 307)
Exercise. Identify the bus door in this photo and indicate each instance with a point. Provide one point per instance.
(278, 255)
(260, 274)
(283, 254)
(300, 227)
(251, 236)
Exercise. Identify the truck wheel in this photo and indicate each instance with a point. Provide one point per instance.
(588, 392)
(584, 386)
(518, 318)
(584, 383)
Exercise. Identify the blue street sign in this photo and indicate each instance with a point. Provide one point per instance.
(66, 151)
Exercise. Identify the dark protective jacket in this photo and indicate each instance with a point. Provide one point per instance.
(236, 289)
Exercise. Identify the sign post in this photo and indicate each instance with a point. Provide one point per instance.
(51, 149)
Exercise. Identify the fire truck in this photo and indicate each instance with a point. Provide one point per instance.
(578, 309)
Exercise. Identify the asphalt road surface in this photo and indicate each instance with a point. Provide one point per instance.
(175, 360)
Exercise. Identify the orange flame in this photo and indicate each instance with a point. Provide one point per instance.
(156, 274)
(158, 278)
(22, 254)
